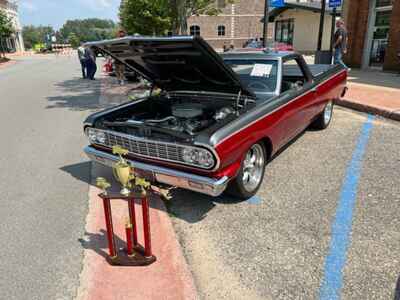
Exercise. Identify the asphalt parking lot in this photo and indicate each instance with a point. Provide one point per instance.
(325, 225)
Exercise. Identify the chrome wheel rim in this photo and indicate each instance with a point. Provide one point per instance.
(253, 167)
(328, 112)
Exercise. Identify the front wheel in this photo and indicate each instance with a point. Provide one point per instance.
(251, 174)
(324, 119)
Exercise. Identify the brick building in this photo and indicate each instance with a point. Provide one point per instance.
(234, 25)
(374, 33)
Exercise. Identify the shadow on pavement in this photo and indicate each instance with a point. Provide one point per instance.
(80, 171)
(193, 207)
(77, 94)
(98, 243)
(397, 290)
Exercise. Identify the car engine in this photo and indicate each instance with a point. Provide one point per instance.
(187, 118)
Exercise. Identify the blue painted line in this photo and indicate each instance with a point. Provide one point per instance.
(341, 228)
(254, 200)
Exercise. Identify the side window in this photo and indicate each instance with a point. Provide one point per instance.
(293, 76)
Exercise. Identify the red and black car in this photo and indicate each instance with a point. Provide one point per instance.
(218, 119)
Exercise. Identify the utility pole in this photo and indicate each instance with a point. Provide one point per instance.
(321, 25)
(265, 30)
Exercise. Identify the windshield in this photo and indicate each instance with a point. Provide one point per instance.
(258, 75)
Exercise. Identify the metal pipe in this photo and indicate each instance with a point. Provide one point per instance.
(333, 25)
(109, 227)
(146, 227)
(132, 217)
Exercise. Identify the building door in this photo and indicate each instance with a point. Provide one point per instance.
(383, 12)
(284, 31)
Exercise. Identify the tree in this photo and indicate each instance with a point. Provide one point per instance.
(89, 29)
(147, 17)
(73, 40)
(6, 30)
(36, 35)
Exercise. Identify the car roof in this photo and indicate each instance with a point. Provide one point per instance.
(258, 53)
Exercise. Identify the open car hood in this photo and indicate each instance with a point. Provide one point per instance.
(182, 63)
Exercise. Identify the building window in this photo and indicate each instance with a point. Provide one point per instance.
(383, 3)
(195, 30)
(221, 4)
(221, 30)
(284, 31)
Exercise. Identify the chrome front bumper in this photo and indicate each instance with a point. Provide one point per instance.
(201, 184)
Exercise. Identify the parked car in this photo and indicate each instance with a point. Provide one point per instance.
(271, 46)
(218, 119)
(129, 73)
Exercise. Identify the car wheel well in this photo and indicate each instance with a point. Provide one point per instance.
(266, 141)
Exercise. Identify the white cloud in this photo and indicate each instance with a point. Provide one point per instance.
(29, 6)
(98, 4)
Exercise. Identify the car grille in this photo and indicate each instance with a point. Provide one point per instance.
(142, 147)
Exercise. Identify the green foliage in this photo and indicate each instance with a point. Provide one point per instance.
(147, 17)
(38, 47)
(36, 35)
(73, 40)
(89, 29)
(6, 29)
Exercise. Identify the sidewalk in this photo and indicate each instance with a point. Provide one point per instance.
(373, 92)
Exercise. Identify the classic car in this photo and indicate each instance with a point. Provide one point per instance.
(211, 122)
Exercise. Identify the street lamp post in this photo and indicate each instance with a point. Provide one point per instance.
(265, 29)
(321, 24)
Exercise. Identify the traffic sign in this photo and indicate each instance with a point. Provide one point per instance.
(335, 3)
(276, 3)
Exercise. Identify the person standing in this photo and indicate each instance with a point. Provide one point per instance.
(120, 67)
(81, 56)
(340, 43)
(90, 57)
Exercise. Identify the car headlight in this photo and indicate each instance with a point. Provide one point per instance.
(95, 136)
(198, 156)
(101, 137)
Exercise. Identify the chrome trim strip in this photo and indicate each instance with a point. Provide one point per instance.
(206, 185)
(278, 108)
(144, 140)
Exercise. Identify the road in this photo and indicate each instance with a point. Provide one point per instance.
(43, 176)
(282, 245)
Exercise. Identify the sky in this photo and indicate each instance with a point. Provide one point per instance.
(56, 12)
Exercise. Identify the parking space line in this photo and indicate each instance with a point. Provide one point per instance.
(341, 227)
(254, 200)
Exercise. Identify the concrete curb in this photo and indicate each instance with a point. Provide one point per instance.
(389, 114)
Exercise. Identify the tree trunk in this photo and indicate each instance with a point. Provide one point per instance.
(175, 16)
(184, 26)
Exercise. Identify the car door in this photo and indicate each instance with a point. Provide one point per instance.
(297, 86)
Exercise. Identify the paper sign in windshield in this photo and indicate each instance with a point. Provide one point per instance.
(261, 70)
